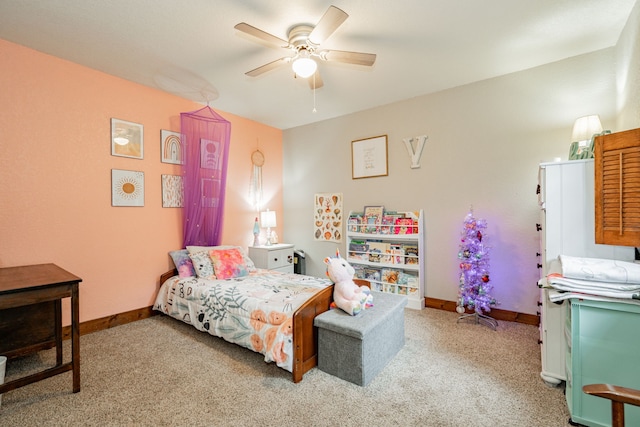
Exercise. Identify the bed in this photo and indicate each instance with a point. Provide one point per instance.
(266, 311)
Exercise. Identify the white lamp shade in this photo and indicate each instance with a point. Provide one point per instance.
(268, 219)
(304, 66)
(585, 127)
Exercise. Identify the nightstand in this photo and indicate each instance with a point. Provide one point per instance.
(277, 257)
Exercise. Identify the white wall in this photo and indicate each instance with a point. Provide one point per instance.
(485, 142)
(627, 75)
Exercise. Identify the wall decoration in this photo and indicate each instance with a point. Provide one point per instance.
(255, 186)
(172, 191)
(327, 217)
(171, 147)
(210, 192)
(415, 152)
(127, 188)
(369, 157)
(127, 139)
(209, 154)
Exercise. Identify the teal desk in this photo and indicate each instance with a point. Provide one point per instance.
(603, 346)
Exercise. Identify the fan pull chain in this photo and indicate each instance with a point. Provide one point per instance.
(314, 94)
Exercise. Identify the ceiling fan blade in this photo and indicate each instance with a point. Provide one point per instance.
(315, 81)
(357, 58)
(268, 67)
(329, 22)
(263, 35)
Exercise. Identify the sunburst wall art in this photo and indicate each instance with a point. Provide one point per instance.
(127, 188)
(327, 217)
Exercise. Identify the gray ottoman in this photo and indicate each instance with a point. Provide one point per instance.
(357, 348)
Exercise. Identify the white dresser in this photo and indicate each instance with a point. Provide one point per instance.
(567, 226)
(277, 257)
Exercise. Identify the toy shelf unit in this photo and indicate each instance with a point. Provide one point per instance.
(389, 252)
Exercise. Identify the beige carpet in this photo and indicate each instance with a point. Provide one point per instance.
(160, 372)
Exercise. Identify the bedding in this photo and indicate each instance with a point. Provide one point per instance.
(600, 270)
(254, 310)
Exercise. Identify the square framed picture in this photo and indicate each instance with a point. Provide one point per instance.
(127, 188)
(127, 139)
(369, 157)
(172, 191)
(170, 147)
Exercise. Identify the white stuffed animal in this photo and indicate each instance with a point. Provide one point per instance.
(346, 294)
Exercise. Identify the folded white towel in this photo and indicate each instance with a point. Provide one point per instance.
(560, 296)
(600, 270)
(613, 290)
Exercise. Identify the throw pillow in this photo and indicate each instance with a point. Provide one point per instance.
(203, 265)
(228, 263)
(248, 261)
(183, 263)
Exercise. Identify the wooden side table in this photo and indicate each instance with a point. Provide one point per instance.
(31, 318)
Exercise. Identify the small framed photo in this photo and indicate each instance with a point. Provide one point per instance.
(127, 139)
(127, 188)
(369, 157)
(171, 147)
(172, 191)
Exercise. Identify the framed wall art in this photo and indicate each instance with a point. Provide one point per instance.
(171, 147)
(327, 217)
(210, 192)
(369, 157)
(209, 154)
(127, 139)
(172, 191)
(127, 188)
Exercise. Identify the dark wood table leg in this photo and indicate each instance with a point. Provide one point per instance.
(58, 330)
(75, 336)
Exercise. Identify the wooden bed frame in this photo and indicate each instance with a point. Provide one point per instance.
(305, 335)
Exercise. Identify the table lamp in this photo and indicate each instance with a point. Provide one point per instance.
(268, 220)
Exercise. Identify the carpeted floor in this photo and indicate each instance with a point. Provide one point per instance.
(160, 372)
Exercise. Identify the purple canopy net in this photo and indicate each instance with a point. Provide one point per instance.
(205, 138)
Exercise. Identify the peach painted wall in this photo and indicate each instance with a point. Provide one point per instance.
(55, 192)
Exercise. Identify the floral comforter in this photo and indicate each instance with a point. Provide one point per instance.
(254, 311)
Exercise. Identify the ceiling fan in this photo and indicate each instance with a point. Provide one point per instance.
(304, 42)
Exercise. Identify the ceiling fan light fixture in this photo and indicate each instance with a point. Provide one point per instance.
(303, 65)
(303, 42)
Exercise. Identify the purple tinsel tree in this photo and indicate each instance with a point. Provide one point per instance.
(475, 285)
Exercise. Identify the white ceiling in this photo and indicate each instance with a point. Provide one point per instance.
(189, 47)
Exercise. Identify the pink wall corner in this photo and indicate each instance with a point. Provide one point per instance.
(55, 201)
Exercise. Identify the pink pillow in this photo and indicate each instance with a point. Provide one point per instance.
(183, 263)
(228, 263)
